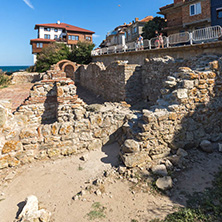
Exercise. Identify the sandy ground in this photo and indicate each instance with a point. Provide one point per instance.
(55, 182)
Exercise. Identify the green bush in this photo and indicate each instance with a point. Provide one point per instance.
(201, 207)
(81, 53)
(51, 55)
(150, 27)
(4, 79)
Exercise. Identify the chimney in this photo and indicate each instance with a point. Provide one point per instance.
(178, 1)
(124, 23)
(136, 19)
(58, 22)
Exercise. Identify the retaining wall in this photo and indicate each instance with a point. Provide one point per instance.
(185, 52)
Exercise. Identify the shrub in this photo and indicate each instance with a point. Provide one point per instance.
(51, 55)
(150, 27)
(4, 79)
(81, 53)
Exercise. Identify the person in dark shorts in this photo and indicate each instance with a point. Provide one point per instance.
(157, 41)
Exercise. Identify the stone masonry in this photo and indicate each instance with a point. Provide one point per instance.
(54, 122)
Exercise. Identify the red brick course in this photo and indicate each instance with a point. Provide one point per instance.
(16, 93)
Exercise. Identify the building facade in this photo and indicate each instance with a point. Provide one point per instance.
(186, 15)
(216, 12)
(58, 32)
(125, 33)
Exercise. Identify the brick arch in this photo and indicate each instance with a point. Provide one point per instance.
(61, 63)
(69, 68)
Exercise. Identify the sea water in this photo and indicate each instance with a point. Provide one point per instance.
(13, 68)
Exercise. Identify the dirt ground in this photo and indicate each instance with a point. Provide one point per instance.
(56, 182)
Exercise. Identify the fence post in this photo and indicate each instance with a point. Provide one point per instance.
(191, 38)
(168, 43)
(149, 44)
(124, 48)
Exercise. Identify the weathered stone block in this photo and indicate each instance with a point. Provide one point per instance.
(11, 146)
(130, 146)
(2, 117)
(135, 159)
(95, 144)
(53, 152)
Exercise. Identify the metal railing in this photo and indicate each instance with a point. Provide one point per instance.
(179, 38)
(212, 33)
(209, 33)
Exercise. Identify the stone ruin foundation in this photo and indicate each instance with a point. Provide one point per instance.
(183, 96)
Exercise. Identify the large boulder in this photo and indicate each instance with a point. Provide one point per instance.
(164, 183)
(159, 170)
(135, 159)
(206, 146)
(130, 146)
(32, 213)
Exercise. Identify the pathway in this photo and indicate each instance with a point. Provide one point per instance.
(16, 93)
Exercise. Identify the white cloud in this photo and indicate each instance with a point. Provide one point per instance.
(96, 36)
(27, 2)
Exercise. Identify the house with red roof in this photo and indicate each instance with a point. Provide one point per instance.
(125, 33)
(58, 32)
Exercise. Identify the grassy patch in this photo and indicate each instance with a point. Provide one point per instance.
(201, 207)
(80, 168)
(97, 212)
(4, 80)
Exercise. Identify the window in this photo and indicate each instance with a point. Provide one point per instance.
(219, 13)
(47, 29)
(195, 9)
(56, 30)
(129, 33)
(135, 30)
(46, 36)
(56, 37)
(73, 37)
(39, 45)
(88, 38)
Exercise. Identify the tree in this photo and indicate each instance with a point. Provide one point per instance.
(51, 55)
(81, 53)
(150, 27)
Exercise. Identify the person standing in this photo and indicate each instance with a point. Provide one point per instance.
(157, 41)
(141, 42)
(161, 40)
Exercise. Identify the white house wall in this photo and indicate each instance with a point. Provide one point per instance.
(52, 33)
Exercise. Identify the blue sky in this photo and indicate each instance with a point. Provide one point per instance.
(18, 18)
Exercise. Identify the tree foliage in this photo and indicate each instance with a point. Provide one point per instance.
(51, 55)
(150, 27)
(81, 53)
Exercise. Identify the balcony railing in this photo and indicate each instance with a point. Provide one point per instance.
(212, 33)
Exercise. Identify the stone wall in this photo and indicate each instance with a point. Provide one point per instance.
(184, 52)
(189, 111)
(54, 122)
(117, 82)
(25, 77)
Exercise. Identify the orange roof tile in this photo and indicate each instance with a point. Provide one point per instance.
(146, 19)
(64, 26)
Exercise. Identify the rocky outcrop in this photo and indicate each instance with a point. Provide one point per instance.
(32, 213)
